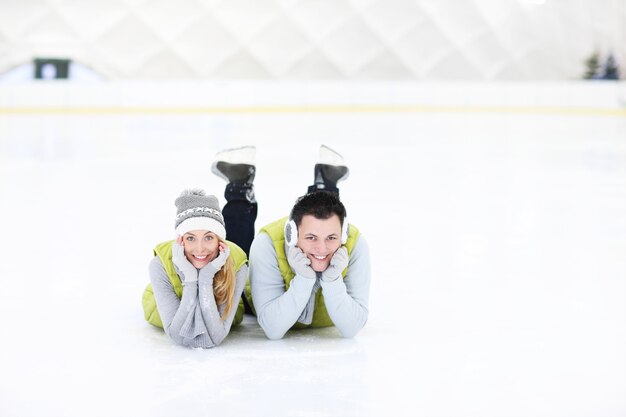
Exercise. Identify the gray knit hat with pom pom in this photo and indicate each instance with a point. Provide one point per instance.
(198, 211)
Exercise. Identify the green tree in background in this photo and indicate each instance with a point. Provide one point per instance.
(592, 64)
(611, 70)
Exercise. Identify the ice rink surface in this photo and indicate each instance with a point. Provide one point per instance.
(498, 240)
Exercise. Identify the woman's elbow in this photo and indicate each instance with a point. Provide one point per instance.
(176, 340)
(218, 340)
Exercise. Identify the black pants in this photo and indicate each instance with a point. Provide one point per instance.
(240, 214)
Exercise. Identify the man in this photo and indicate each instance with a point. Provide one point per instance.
(310, 269)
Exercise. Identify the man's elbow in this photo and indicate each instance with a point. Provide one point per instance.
(271, 333)
(349, 332)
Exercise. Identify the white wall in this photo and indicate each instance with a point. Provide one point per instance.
(317, 39)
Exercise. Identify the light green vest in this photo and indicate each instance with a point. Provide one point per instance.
(164, 252)
(276, 232)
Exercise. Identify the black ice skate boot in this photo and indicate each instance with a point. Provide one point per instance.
(329, 171)
(236, 166)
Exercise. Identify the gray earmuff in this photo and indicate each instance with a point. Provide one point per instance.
(291, 232)
(345, 229)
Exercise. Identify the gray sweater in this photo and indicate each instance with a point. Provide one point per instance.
(195, 319)
(278, 310)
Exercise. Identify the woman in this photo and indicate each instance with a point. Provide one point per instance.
(196, 281)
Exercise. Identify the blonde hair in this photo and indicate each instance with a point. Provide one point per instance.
(224, 285)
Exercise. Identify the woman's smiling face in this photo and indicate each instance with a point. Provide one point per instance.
(201, 247)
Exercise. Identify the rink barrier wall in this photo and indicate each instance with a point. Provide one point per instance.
(575, 98)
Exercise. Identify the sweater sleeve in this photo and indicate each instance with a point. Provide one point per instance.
(218, 329)
(347, 299)
(181, 317)
(277, 309)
